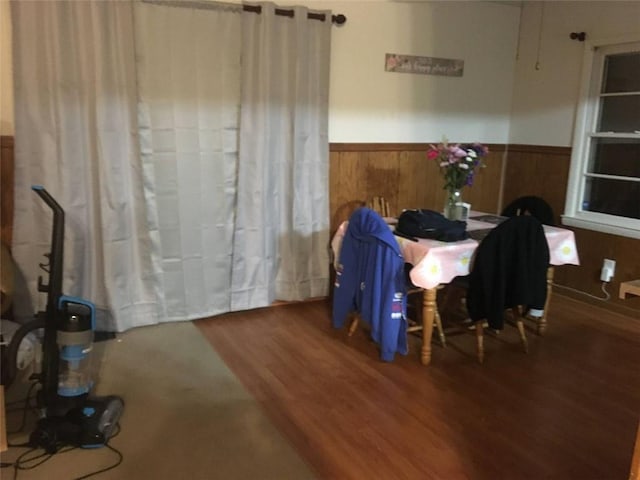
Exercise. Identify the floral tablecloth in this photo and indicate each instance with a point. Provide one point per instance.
(439, 262)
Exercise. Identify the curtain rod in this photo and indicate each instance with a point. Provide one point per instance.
(337, 19)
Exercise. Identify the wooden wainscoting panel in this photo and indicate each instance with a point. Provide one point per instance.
(6, 188)
(416, 182)
(346, 186)
(404, 176)
(484, 195)
(540, 171)
(382, 177)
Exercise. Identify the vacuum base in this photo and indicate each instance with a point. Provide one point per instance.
(90, 426)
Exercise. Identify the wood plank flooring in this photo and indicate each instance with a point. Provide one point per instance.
(567, 410)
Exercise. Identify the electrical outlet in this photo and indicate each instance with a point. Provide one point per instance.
(608, 270)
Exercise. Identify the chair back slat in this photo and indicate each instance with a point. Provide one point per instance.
(380, 206)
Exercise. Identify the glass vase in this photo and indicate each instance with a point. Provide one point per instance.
(454, 206)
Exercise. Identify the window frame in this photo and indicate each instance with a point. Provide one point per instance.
(584, 130)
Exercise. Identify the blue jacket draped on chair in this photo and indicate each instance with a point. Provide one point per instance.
(370, 280)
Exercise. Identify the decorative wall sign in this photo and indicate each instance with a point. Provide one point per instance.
(425, 65)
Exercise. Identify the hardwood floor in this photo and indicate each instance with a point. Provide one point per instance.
(567, 410)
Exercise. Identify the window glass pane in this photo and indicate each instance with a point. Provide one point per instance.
(614, 197)
(615, 156)
(622, 73)
(619, 114)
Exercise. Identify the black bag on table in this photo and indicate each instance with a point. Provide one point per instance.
(421, 223)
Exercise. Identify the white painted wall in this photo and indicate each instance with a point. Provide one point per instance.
(498, 100)
(368, 104)
(545, 100)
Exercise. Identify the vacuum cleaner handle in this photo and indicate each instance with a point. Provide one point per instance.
(47, 397)
(48, 199)
(56, 257)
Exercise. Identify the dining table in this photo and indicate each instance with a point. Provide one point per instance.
(435, 263)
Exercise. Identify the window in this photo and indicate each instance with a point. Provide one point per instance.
(604, 183)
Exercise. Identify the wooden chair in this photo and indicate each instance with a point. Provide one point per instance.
(371, 281)
(413, 324)
(380, 206)
(531, 205)
(481, 325)
(539, 208)
(509, 273)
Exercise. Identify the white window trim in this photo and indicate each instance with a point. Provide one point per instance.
(574, 215)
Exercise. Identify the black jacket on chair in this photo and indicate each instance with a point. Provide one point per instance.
(509, 269)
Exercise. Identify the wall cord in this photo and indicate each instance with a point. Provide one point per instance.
(606, 298)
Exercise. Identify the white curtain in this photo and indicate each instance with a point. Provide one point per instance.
(174, 221)
(75, 130)
(281, 238)
(188, 67)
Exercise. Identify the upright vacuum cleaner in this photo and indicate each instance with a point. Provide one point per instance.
(70, 415)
